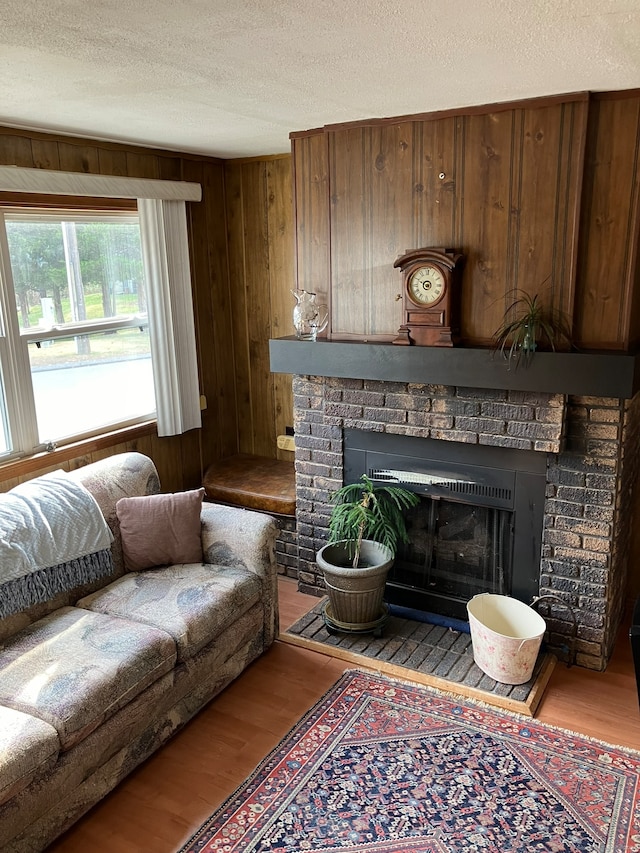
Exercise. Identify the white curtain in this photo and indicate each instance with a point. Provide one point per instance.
(165, 252)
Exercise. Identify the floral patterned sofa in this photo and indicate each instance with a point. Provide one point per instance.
(97, 678)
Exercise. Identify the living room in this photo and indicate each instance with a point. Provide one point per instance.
(333, 207)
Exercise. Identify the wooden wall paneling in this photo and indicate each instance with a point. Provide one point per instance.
(142, 164)
(350, 229)
(436, 153)
(191, 462)
(633, 341)
(219, 322)
(608, 226)
(545, 195)
(503, 187)
(112, 161)
(171, 168)
(96, 455)
(79, 156)
(16, 150)
(45, 153)
(212, 313)
(169, 457)
(258, 308)
(311, 199)
(281, 283)
(238, 282)
(569, 200)
(389, 174)
(219, 438)
(484, 197)
(530, 206)
(167, 454)
(387, 196)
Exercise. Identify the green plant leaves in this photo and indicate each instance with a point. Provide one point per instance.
(532, 326)
(364, 511)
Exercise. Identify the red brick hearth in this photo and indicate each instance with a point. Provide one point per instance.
(590, 467)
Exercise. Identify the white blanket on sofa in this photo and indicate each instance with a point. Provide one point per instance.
(53, 537)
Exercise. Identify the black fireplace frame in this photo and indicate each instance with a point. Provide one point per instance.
(502, 477)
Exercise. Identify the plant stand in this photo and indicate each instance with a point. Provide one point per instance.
(334, 626)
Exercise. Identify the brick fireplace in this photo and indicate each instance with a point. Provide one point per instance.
(590, 468)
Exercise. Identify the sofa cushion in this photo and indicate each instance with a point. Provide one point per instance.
(28, 747)
(194, 603)
(74, 668)
(160, 530)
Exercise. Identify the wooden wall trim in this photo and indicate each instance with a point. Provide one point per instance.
(59, 202)
(268, 158)
(28, 465)
(614, 96)
(302, 134)
(606, 279)
(107, 144)
(478, 109)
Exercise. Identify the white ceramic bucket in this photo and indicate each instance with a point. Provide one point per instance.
(506, 635)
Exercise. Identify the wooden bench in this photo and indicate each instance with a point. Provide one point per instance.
(254, 482)
(263, 484)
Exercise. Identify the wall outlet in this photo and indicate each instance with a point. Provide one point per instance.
(286, 442)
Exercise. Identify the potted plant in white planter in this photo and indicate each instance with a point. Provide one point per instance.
(366, 526)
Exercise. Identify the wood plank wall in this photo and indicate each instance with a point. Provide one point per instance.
(540, 195)
(180, 459)
(607, 301)
(261, 241)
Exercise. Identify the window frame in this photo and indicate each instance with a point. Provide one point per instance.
(19, 412)
(162, 208)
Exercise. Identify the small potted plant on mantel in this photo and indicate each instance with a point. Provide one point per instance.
(365, 528)
(528, 325)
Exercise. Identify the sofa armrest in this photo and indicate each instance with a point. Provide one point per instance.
(232, 536)
(123, 475)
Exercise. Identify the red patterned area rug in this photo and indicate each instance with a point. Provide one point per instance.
(382, 765)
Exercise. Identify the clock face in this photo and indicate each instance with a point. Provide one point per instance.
(426, 285)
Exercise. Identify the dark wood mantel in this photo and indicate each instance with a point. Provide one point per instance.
(583, 374)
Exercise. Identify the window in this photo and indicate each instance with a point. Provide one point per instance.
(95, 302)
(75, 326)
(96, 324)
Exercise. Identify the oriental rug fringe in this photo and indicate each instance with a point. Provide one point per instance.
(387, 766)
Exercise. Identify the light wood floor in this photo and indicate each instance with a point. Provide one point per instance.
(158, 807)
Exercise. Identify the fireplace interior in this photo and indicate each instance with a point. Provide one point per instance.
(478, 527)
(455, 551)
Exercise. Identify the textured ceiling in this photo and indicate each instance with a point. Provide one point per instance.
(233, 78)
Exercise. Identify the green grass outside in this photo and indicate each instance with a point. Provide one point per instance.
(126, 303)
(103, 345)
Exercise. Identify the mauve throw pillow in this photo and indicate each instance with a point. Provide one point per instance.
(160, 530)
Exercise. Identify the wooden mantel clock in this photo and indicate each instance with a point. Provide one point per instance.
(430, 297)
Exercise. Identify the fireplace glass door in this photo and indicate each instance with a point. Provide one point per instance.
(455, 551)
